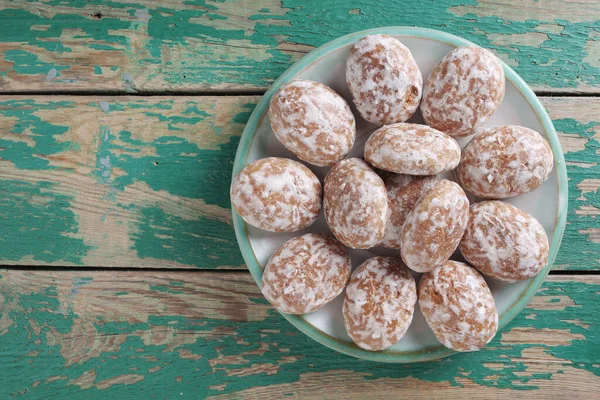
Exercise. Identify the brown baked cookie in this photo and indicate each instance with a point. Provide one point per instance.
(403, 192)
(504, 242)
(412, 149)
(464, 90)
(505, 161)
(458, 306)
(384, 79)
(277, 195)
(379, 303)
(355, 204)
(312, 121)
(434, 227)
(306, 273)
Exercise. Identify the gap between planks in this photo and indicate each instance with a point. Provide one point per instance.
(205, 93)
(199, 270)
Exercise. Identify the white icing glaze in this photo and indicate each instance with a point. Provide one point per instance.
(384, 79)
(458, 306)
(379, 303)
(412, 149)
(463, 91)
(403, 192)
(277, 195)
(504, 242)
(433, 229)
(505, 161)
(306, 273)
(312, 121)
(355, 204)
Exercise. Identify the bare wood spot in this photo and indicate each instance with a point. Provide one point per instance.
(184, 353)
(593, 234)
(572, 143)
(85, 381)
(532, 39)
(126, 379)
(550, 337)
(578, 322)
(557, 303)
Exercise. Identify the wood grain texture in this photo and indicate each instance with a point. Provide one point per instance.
(113, 181)
(144, 181)
(207, 45)
(84, 334)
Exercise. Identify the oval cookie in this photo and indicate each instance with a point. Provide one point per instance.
(312, 121)
(505, 161)
(384, 79)
(379, 303)
(458, 306)
(403, 193)
(434, 227)
(355, 204)
(306, 273)
(504, 242)
(412, 149)
(464, 90)
(277, 195)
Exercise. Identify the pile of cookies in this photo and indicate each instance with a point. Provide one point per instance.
(394, 197)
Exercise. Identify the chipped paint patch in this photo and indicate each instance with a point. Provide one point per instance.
(532, 39)
(548, 336)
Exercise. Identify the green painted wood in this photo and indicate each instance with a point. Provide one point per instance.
(143, 181)
(149, 46)
(116, 181)
(196, 334)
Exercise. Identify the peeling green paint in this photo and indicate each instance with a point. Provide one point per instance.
(578, 253)
(253, 55)
(181, 168)
(166, 289)
(27, 63)
(43, 133)
(35, 210)
(202, 242)
(262, 343)
(172, 164)
(158, 171)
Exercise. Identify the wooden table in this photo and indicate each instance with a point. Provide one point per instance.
(121, 276)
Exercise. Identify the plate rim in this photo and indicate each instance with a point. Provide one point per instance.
(241, 156)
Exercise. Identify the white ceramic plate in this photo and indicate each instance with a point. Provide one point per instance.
(327, 65)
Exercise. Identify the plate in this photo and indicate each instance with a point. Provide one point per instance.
(326, 64)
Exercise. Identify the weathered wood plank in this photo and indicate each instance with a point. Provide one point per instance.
(578, 124)
(143, 181)
(200, 45)
(205, 334)
(111, 181)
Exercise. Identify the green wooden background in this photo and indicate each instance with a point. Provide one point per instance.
(119, 122)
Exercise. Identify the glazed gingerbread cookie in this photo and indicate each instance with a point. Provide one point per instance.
(434, 227)
(403, 193)
(384, 79)
(277, 195)
(504, 242)
(312, 121)
(464, 90)
(379, 303)
(412, 149)
(306, 273)
(458, 306)
(505, 161)
(355, 204)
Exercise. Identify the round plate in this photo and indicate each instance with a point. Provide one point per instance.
(326, 64)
